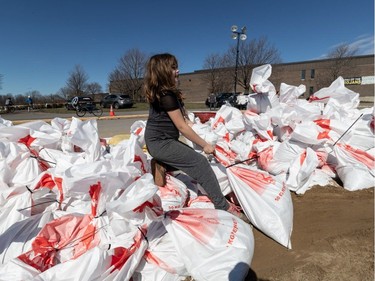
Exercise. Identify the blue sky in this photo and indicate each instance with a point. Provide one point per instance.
(41, 41)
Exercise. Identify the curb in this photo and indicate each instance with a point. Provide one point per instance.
(16, 122)
(144, 115)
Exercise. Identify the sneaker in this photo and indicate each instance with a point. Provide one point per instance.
(237, 211)
(158, 172)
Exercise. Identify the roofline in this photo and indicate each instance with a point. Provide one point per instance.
(286, 63)
(323, 60)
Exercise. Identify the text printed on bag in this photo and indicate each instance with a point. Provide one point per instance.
(281, 193)
(233, 233)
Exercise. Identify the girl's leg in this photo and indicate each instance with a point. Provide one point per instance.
(184, 158)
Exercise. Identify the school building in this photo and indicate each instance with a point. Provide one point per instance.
(357, 71)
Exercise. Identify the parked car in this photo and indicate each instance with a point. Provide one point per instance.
(221, 98)
(117, 101)
(81, 100)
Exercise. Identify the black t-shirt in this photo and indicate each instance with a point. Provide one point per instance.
(159, 124)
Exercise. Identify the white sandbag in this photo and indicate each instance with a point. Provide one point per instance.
(201, 201)
(309, 133)
(88, 267)
(78, 179)
(224, 242)
(161, 260)
(138, 129)
(42, 134)
(224, 115)
(60, 240)
(235, 125)
(62, 159)
(85, 135)
(363, 136)
(19, 199)
(242, 149)
(285, 117)
(16, 270)
(205, 132)
(17, 238)
(259, 79)
(289, 94)
(265, 201)
(337, 91)
(126, 257)
(261, 124)
(174, 194)
(11, 154)
(5, 123)
(137, 205)
(221, 175)
(108, 262)
(241, 99)
(13, 133)
(355, 167)
(300, 171)
(134, 155)
(61, 124)
(190, 183)
(63, 239)
(265, 97)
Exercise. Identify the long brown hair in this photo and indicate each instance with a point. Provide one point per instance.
(158, 77)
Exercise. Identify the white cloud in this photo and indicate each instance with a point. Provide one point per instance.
(364, 44)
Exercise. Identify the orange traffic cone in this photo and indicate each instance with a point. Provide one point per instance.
(111, 112)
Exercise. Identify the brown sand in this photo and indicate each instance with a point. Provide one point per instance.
(332, 239)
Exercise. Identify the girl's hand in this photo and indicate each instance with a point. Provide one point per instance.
(209, 149)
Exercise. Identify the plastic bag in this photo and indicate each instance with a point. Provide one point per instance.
(206, 238)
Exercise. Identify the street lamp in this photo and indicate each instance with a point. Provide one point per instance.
(237, 35)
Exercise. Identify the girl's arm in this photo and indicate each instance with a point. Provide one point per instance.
(180, 123)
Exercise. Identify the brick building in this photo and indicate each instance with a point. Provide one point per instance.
(358, 73)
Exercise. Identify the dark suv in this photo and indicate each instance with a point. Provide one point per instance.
(81, 100)
(221, 98)
(117, 101)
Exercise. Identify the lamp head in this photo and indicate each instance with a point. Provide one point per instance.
(234, 28)
(243, 37)
(234, 36)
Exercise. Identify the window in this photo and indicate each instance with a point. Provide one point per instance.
(303, 74)
(312, 73)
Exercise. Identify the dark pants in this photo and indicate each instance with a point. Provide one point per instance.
(182, 157)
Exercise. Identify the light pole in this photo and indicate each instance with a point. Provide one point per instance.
(237, 35)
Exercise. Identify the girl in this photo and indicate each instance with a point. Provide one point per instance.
(167, 119)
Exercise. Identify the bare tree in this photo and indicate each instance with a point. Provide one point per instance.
(19, 99)
(254, 53)
(117, 82)
(216, 76)
(54, 99)
(77, 81)
(340, 60)
(1, 81)
(94, 88)
(127, 76)
(64, 93)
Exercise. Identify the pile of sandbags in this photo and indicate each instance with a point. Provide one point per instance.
(74, 206)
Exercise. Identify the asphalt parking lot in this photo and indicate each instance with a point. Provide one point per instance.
(108, 126)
